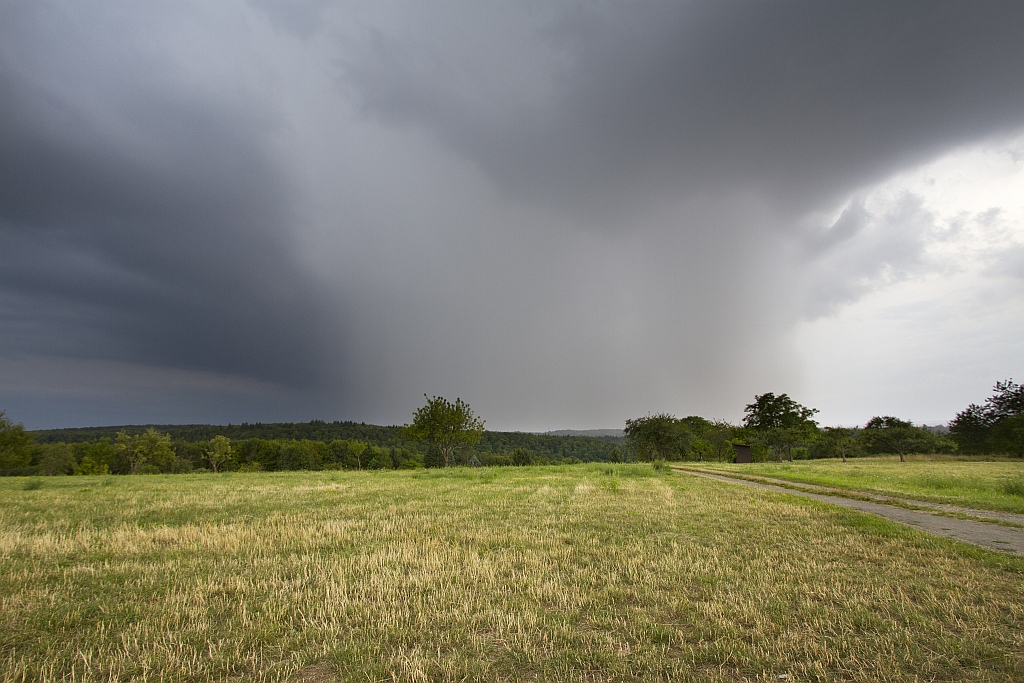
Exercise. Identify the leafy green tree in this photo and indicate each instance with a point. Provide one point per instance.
(780, 423)
(220, 452)
(150, 450)
(521, 457)
(971, 429)
(1006, 401)
(976, 429)
(90, 465)
(357, 448)
(303, 454)
(96, 457)
(836, 441)
(657, 437)
(1008, 435)
(769, 411)
(719, 438)
(888, 434)
(445, 426)
(15, 445)
(55, 459)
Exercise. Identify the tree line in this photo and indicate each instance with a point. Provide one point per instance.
(445, 433)
(173, 449)
(776, 427)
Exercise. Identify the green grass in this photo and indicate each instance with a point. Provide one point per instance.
(585, 573)
(985, 485)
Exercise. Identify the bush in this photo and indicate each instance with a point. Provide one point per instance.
(521, 457)
(91, 466)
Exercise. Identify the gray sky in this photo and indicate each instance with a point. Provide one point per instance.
(566, 213)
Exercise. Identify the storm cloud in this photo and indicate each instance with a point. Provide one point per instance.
(565, 213)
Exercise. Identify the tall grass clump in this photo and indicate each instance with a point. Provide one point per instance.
(1014, 487)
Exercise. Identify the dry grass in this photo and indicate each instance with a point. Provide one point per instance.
(583, 573)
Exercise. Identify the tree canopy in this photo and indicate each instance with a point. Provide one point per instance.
(15, 445)
(997, 425)
(779, 423)
(446, 426)
(769, 411)
(888, 434)
(657, 437)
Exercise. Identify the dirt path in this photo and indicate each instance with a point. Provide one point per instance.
(995, 536)
(878, 497)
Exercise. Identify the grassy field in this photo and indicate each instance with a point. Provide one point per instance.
(985, 485)
(584, 573)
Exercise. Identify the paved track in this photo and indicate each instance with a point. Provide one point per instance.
(1010, 539)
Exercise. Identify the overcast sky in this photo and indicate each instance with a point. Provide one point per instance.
(565, 213)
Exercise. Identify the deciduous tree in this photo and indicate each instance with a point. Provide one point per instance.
(837, 441)
(981, 429)
(15, 445)
(888, 434)
(447, 427)
(149, 448)
(657, 437)
(780, 423)
(220, 452)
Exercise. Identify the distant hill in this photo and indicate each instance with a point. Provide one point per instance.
(596, 433)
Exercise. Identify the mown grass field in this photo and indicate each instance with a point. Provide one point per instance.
(982, 484)
(584, 573)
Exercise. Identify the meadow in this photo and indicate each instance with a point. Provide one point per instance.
(968, 482)
(575, 573)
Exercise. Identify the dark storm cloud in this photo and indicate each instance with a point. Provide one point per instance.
(164, 244)
(799, 100)
(572, 212)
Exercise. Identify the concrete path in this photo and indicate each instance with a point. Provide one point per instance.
(1005, 538)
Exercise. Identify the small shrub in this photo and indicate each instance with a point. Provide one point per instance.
(521, 457)
(660, 466)
(250, 467)
(32, 484)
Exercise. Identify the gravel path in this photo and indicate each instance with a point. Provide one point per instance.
(880, 498)
(1005, 538)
